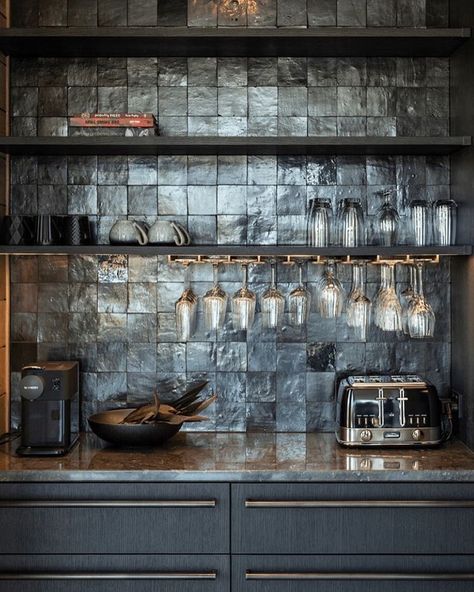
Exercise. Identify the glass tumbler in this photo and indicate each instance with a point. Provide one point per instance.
(444, 222)
(419, 219)
(319, 223)
(351, 223)
(387, 225)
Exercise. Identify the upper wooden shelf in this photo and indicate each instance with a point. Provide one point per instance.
(112, 145)
(242, 251)
(231, 41)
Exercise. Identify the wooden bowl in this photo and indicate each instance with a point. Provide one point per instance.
(107, 426)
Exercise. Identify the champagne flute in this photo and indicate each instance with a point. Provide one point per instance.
(186, 311)
(300, 302)
(273, 304)
(215, 304)
(243, 305)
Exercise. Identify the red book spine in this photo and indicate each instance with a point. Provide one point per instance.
(113, 120)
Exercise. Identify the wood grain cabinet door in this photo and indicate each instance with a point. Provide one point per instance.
(138, 573)
(114, 518)
(352, 574)
(353, 518)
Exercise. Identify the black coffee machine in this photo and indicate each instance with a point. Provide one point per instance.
(49, 408)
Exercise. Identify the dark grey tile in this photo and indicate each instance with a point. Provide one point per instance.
(112, 200)
(172, 200)
(352, 72)
(351, 13)
(141, 328)
(322, 101)
(142, 71)
(142, 14)
(24, 101)
(261, 417)
(351, 101)
(82, 13)
(82, 297)
(171, 357)
(381, 14)
(112, 13)
(172, 13)
(382, 71)
(52, 126)
(202, 13)
(52, 199)
(53, 327)
(82, 199)
(52, 13)
(291, 170)
(411, 72)
(322, 126)
(112, 99)
(202, 72)
(291, 14)
(264, 14)
(141, 357)
(173, 101)
(112, 72)
(81, 99)
(411, 13)
(82, 72)
(322, 13)
(321, 170)
(321, 357)
(172, 170)
(24, 13)
(263, 101)
(24, 126)
(292, 71)
(112, 170)
(262, 71)
(24, 170)
(232, 230)
(437, 13)
(320, 386)
(142, 170)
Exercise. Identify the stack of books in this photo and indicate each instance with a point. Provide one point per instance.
(127, 124)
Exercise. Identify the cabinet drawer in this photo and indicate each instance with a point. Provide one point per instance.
(352, 574)
(114, 574)
(353, 518)
(114, 518)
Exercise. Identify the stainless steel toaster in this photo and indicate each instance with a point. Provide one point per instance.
(401, 410)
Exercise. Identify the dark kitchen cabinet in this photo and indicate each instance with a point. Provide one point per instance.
(354, 573)
(353, 518)
(114, 573)
(114, 518)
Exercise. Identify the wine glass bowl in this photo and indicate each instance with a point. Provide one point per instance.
(243, 305)
(299, 302)
(215, 304)
(272, 304)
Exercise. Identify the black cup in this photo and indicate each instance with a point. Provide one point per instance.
(16, 230)
(77, 230)
(47, 230)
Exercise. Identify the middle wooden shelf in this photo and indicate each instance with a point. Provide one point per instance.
(297, 145)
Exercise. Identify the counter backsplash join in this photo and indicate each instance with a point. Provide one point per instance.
(116, 314)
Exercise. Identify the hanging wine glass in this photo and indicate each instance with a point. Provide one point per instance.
(243, 305)
(331, 294)
(358, 305)
(387, 307)
(215, 304)
(407, 296)
(421, 318)
(186, 311)
(300, 302)
(272, 304)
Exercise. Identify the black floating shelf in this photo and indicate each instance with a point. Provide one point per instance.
(112, 145)
(231, 41)
(240, 251)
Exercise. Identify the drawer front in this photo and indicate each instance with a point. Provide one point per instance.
(352, 574)
(353, 518)
(115, 574)
(114, 518)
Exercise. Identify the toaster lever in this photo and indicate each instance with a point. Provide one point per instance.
(401, 399)
(381, 401)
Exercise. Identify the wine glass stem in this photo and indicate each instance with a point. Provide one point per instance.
(245, 271)
(273, 282)
(215, 271)
(420, 279)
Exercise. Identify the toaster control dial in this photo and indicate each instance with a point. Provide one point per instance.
(366, 435)
(417, 435)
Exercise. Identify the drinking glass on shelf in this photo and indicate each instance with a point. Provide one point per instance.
(319, 223)
(351, 223)
(243, 305)
(273, 303)
(421, 318)
(387, 307)
(358, 304)
(419, 221)
(387, 225)
(215, 304)
(299, 302)
(444, 222)
(331, 294)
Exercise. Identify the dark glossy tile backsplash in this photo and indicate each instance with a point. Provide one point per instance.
(116, 314)
(237, 96)
(229, 13)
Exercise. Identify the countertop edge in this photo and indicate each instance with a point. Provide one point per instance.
(250, 476)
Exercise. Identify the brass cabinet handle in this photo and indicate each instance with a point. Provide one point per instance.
(109, 504)
(358, 504)
(305, 576)
(211, 575)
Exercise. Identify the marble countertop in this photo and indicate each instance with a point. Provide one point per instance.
(241, 457)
